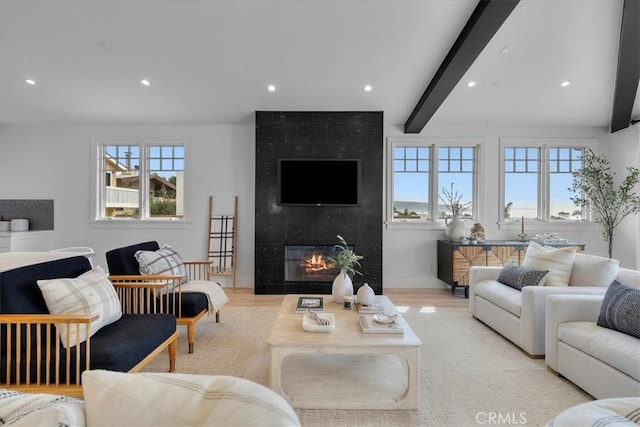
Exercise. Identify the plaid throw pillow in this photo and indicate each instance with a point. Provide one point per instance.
(163, 261)
(89, 293)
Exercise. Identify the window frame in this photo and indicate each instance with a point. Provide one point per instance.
(433, 144)
(99, 182)
(543, 219)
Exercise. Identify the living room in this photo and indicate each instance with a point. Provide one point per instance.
(87, 61)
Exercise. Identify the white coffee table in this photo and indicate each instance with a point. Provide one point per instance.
(345, 368)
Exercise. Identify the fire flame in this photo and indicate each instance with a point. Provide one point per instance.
(315, 263)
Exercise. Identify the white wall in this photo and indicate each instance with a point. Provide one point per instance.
(410, 254)
(53, 162)
(625, 152)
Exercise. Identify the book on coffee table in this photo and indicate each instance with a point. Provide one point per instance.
(309, 303)
(370, 326)
(370, 309)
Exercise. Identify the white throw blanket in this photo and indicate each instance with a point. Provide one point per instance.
(214, 292)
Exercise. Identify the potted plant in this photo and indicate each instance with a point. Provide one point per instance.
(594, 186)
(347, 261)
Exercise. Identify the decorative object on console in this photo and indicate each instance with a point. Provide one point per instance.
(365, 295)
(477, 231)
(455, 229)
(522, 235)
(347, 261)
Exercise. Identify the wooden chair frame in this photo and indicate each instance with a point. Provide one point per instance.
(149, 302)
(131, 297)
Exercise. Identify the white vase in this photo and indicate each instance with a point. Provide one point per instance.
(342, 286)
(456, 229)
(365, 295)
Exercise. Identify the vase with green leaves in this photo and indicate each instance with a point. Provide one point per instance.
(347, 261)
(594, 187)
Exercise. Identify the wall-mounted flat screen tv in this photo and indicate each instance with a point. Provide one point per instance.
(318, 182)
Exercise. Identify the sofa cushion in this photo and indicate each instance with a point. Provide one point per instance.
(154, 399)
(91, 293)
(163, 261)
(614, 348)
(620, 309)
(507, 298)
(192, 303)
(122, 345)
(559, 262)
(121, 261)
(517, 276)
(593, 270)
(19, 292)
(40, 409)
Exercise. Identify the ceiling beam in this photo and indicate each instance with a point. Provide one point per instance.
(485, 21)
(628, 72)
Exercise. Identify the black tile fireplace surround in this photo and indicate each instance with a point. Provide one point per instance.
(317, 135)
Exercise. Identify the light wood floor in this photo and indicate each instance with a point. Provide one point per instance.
(399, 297)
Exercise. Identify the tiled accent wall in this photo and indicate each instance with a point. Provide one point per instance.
(319, 135)
(38, 212)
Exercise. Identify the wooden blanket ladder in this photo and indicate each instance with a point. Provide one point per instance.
(223, 232)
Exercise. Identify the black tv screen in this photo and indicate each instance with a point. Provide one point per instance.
(318, 182)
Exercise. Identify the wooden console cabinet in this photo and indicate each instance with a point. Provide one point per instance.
(455, 259)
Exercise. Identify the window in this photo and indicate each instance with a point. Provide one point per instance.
(141, 181)
(537, 177)
(421, 168)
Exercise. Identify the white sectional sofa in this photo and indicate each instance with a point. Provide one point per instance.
(603, 362)
(519, 315)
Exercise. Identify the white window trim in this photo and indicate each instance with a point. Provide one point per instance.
(97, 184)
(433, 143)
(543, 222)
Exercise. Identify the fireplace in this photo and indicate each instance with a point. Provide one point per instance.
(309, 263)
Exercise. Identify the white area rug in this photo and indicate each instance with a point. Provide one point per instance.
(470, 376)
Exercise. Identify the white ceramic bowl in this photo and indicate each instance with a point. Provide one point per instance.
(19, 224)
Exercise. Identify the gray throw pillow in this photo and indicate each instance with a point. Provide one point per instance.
(517, 276)
(620, 309)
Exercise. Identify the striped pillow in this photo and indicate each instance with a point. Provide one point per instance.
(559, 262)
(89, 293)
(163, 261)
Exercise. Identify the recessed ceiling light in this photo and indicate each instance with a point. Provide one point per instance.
(565, 83)
(145, 82)
(271, 88)
(368, 88)
(30, 82)
(471, 84)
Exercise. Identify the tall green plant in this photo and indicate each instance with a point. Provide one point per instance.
(346, 260)
(594, 187)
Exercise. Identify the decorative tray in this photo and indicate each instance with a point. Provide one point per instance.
(310, 325)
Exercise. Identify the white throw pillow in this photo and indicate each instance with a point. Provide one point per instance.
(163, 261)
(559, 262)
(592, 270)
(90, 293)
(40, 409)
(164, 399)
